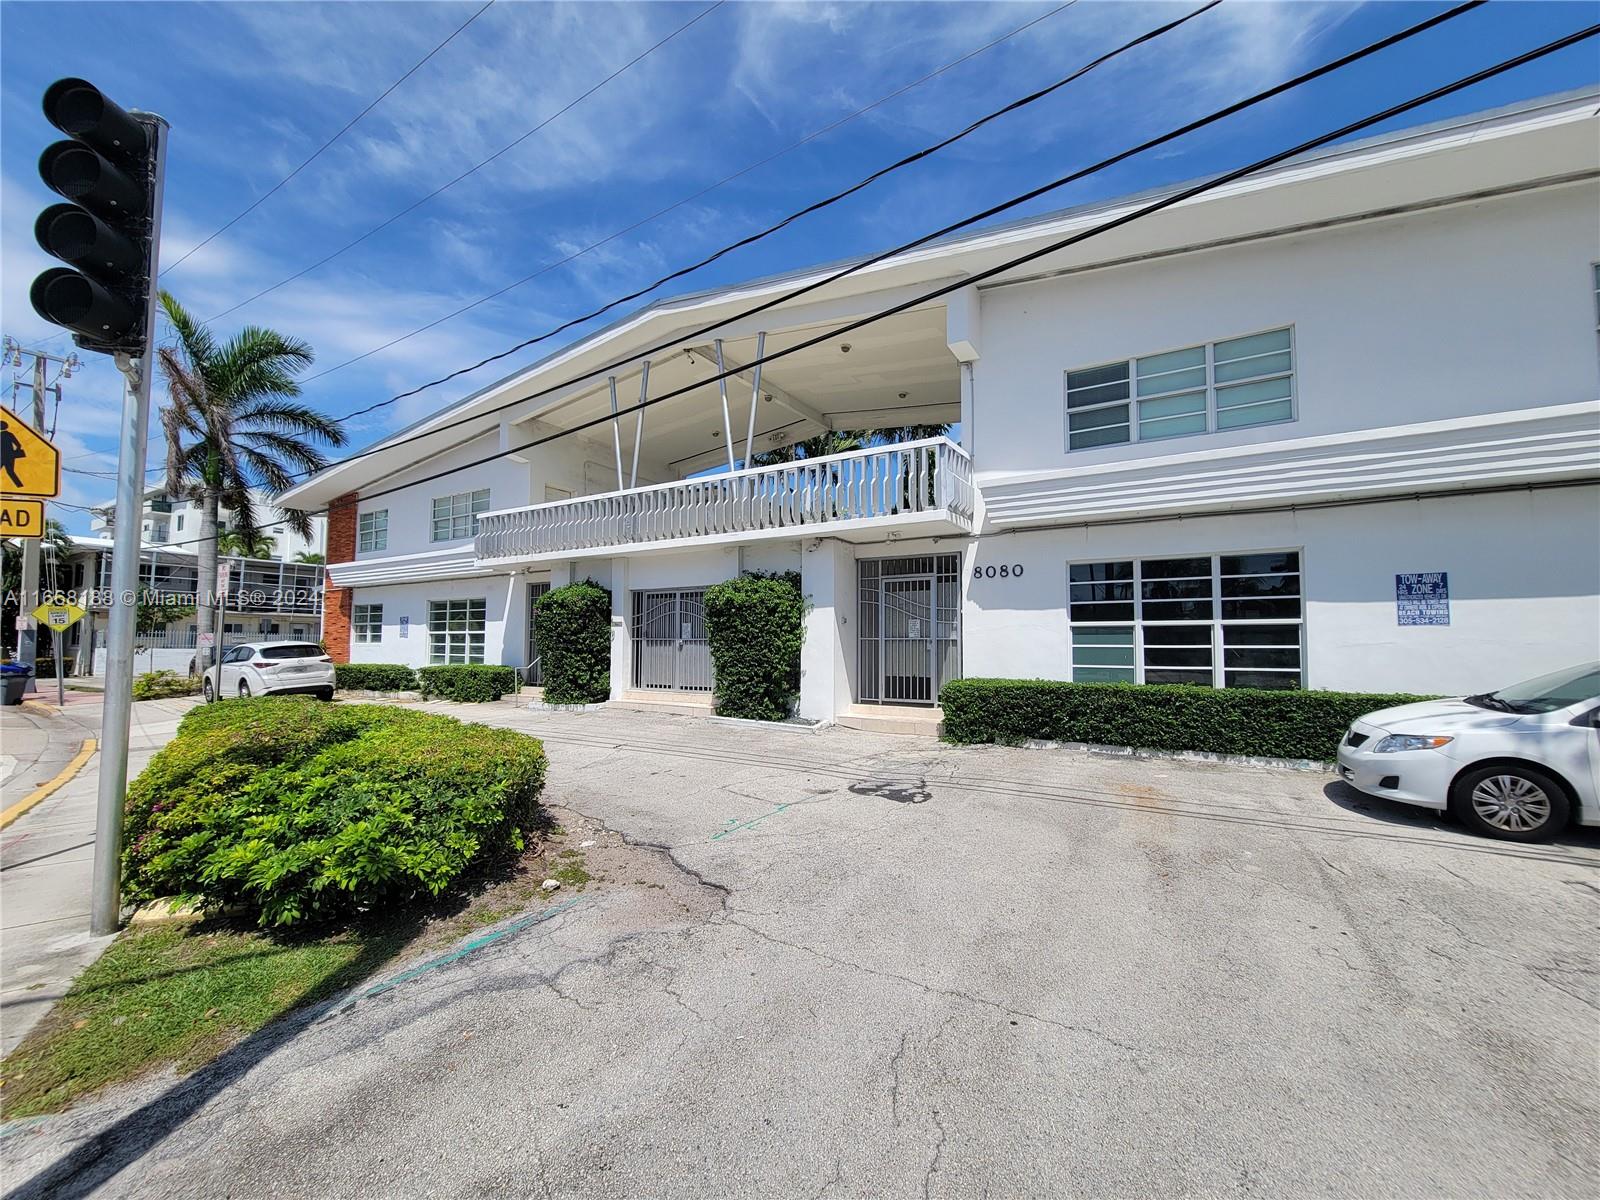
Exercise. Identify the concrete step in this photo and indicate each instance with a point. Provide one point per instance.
(685, 704)
(913, 719)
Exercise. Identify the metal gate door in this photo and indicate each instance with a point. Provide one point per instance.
(908, 640)
(670, 650)
(533, 676)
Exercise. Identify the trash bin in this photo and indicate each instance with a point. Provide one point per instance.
(14, 681)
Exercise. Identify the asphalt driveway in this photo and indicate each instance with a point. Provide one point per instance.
(885, 967)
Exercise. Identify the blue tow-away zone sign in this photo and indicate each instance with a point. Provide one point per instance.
(1422, 598)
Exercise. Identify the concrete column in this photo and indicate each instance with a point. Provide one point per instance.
(828, 581)
(621, 634)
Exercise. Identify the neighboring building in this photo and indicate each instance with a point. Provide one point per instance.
(270, 598)
(1333, 426)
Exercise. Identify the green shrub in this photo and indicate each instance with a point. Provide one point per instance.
(756, 626)
(572, 625)
(375, 677)
(158, 685)
(306, 812)
(472, 683)
(1251, 721)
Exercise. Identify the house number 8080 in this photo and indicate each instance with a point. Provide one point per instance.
(1004, 571)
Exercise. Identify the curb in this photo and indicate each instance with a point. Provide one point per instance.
(85, 753)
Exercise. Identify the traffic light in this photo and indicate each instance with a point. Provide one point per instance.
(109, 172)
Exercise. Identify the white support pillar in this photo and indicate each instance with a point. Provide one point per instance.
(755, 398)
(638, 429)
(827, 657)
(727, 421)
(621, 633)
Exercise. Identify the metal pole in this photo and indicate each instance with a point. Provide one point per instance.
(727, 423)
(616, 431)
(105, 908)
(755, 398)
(220, 642)
(32, 550)
(638, 430)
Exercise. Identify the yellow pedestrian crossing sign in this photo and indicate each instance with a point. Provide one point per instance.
(29, 465)
(59, 617)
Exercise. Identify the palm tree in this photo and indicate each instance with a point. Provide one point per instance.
(311, 556)
(233, 423)
(245, 545)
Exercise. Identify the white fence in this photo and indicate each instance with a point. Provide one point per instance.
(885, 483)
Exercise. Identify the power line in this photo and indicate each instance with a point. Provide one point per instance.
(317, 153)
(1062, 243)
(854, 268)
(689, 199)
(817, 206)
(410, 208)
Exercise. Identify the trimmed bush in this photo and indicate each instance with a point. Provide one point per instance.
(756, 626)
(1153, 716)
(474, 683)
(572, 625)
(375, 677)
(305, 812)
(158, 685)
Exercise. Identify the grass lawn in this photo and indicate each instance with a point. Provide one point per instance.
(181, 992)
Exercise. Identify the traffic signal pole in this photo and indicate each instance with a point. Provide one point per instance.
(106, 897)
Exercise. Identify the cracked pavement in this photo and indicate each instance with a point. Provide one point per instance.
(878, 966)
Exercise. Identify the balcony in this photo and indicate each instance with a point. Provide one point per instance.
(916, 489)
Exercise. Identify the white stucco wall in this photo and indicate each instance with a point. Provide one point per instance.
(1478, 308)
(505, 626)
(1524, 587)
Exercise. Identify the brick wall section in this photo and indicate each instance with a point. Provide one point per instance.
(337, 602)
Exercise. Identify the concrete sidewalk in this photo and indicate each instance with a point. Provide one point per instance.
(47, 853)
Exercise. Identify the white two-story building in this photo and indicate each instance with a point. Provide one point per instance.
(1336, 425)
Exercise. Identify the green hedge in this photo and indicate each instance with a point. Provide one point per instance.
(756, 626)
(469, 683)
(1270, 724)
(572, 625)
(375, 677)
(307, 812)
(159, 685)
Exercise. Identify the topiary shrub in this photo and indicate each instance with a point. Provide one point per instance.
(1153, 716)
(159, 685)
(756, 626)
(572, 625)
(305, 812)
(375, 677)
(470, 683)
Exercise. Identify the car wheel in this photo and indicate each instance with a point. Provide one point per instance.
(326, 694)
(205, 688)
(1511, 801)
(244, 689)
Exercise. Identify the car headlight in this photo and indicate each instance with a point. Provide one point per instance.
(1396, 742)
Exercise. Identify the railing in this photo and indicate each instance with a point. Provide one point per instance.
(931, 476)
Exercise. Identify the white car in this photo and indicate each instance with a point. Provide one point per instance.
(259, 668)
(1519, 763)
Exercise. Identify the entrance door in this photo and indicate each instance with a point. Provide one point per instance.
(908, 667)
(534, 675)
(670, 649)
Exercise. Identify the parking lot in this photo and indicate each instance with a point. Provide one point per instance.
(880, 965)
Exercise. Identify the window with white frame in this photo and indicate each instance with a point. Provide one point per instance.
(456, 517)
(455, 631)
(372, 530)
(366, 622)
(1223, 385)
(1221, 620)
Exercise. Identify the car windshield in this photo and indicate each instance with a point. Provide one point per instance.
(1546, 693)
(290, 650)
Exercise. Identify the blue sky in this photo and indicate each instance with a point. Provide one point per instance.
(252, 88)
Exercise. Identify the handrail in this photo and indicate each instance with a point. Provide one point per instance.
(927, 476)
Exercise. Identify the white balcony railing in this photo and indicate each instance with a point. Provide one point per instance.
(931, 478)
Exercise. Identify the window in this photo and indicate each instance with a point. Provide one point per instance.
(1226, 385)
(455, 631)
(372, 529)
(179, 522)
(1229, 620)
(367, 622)
(456, 517)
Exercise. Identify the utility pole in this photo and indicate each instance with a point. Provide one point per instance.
(27, 625)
